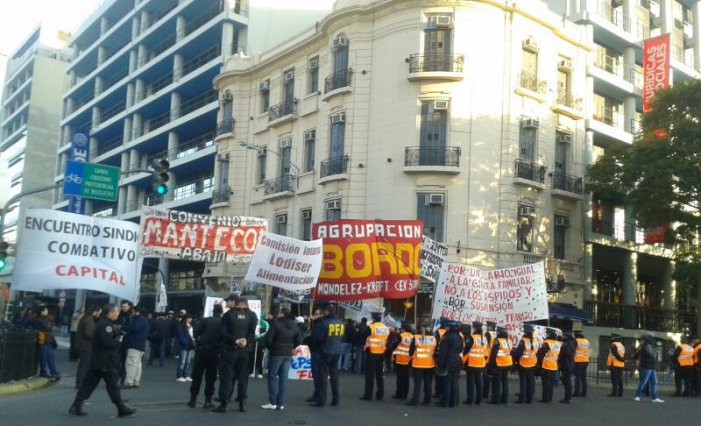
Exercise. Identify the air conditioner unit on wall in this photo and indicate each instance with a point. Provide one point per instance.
(439, 21)
(340, 42)
(564, 138)
(530, 44)
(616, 3)
(562, 221)
(262, 152)
(565, 65)
(526, 211)
(289, 75)
(435, 199)
(313, 63)
(530, 123)
(333, 204)
(281, 218)
(285, 143)
(223, 156)
(338, 118)
(655, 22)
(440, 105)
(264, 85)
(309, 135)
(306, 214)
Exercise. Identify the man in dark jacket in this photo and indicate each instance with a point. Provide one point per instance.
(359, 347)
(450, 360)
(646, 355)
(158, 330)
(135, 344)
(328, 337)
(565, 363)
(207, 333)
(124, 320)
(281, 340)
(104, 362)
(83, 341)
(46, 342)
(315, 321)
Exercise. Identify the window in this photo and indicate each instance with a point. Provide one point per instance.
(281, 224)
(564, 88)
(264, 89)
(524, 228)
(309, 147)
(528, 139)
(437, 44)
(561, 149)
(430, 208)
(227, 107)
(306, 224)
(333, 209)
(262, 157)
(529, 65)
(288, 78)
(434, 128)
(559, 236)
(338, 135)
(340, 77)
(313, 75)
(223, 163)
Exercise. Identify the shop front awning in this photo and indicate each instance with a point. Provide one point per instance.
(568, 312)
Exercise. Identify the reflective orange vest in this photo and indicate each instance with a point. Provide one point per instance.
(401, 353)
(528, 358)
(476, 355)
(686, 356)
(441, 332)
(611, 361)
(504, 353)
(696, 353)
(377, 341)
(425, 351)
(581, 353)
(550, 359)
(493, 335)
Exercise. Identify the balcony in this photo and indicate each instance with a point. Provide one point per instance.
(618, 231)
(441, 159)
(529, 173)
(530, 86)
(337, 83)
(279, 187)
(334, 168)
(222, 195)
(608, 124)
(567, 186)
(282, 112)
(636, 317)
(184, 149)
(225, 126)
(436, 66)
(109, 145)
(567, 104)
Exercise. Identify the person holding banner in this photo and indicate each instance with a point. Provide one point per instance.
(547, 362)
(475, 352)
(525, 357)
(401, 362)
(450, 359)
(500, 363)
(422, 355)
(376, 336)
(328, 338)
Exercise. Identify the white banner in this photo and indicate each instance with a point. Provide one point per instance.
(285, 262)
(359, 309)
(254, 305)
(433, 254)
(504, 296)
(161, 298)
(59, 250)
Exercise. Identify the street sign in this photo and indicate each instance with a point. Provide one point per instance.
(90, 180)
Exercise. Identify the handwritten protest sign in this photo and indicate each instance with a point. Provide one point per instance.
(301, 366)
(504, 296)
(433, 254)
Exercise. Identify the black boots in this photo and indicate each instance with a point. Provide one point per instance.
(77, 409)
(207, 404)
(123, 410)
(242, 406)
(221, 408)
(192, 403)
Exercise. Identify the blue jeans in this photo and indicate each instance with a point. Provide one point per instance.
(645, 375)
(47, 361)
(157, 346)
(184, 364)
(344, 361)
(278, 368)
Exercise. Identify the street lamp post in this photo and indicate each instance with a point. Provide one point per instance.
(258, 148)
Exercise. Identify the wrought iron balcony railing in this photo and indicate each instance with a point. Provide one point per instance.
(530, 81)
(338, 80)
(334, 166)
(282, 109)
(221, 195)
(567, 183)
(529, 170)
(568, 100)
(432, 62)
(432, 156)
(225, 126)
(281, 184)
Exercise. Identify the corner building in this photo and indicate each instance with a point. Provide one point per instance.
(468, 115)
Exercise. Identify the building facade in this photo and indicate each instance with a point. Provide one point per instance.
(467, 115)
(140, 83)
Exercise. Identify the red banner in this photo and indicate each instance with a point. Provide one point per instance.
(655, 67)
(199, 237)
(656, 234)
(365, 259)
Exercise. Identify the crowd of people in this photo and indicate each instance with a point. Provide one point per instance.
(112, 342)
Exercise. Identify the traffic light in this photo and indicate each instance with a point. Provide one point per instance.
(161, 177)
(4, 246)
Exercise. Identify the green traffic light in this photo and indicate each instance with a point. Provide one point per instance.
(3, 264)
(162, 189)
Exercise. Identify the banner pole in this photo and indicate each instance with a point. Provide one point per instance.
(416, 301)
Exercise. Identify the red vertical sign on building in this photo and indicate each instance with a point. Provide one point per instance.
(655, 67)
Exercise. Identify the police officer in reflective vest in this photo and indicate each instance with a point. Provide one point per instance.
(328, 337)
(422, 352)
(401, 361)
(697, 368)
(616, 362)
(581, 362)
(547, 362)
(475, 362)
(375, 347)
(683, 362)
(525, 357)
(491, 336)
(566, 365)
(500, 363)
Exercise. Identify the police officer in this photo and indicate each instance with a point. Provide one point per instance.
(683, 362)
(581, 362)
(524, 356)
(616, 362)
(547, 363)
(375, 345)
(207, 335)
(328, 337)
(238, 331)
(422, 353)
(500, 363)
(475, 362)
(565, 363)
(401, 357)
(104, 364)
(491, 336)
(439, 336)
(450, 360)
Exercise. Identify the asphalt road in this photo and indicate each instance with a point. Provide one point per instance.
(161, 401)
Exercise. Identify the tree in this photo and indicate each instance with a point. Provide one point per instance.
(659, 175)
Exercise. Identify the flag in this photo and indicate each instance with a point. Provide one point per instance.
(161, 299)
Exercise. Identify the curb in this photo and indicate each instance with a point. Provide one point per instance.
(33, 383)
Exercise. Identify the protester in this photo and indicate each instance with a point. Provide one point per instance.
(255, 364)
(344, 361)
(73, 330)
(315, 358)
(47, 343)
(185, 338)
(158, 330)
(104, 362)
(565, 362)
(359, 347)
(646, 355)
(281, 340)
(123, 320)
(83, 338)
(207, 333)
(135, 343)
